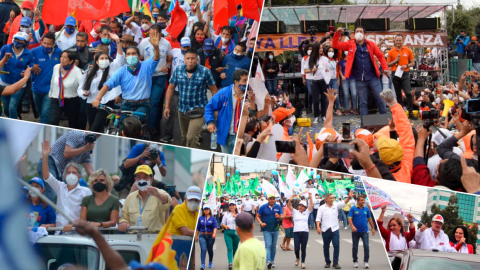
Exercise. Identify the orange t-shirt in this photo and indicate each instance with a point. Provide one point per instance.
(406, 55)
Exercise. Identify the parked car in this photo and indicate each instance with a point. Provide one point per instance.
(418, 259)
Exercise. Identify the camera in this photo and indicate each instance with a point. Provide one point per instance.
(90, 138)
(312, 31)
(153, 154)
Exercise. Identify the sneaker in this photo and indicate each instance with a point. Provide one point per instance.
(269, 265)
(210, 265)
(273, 265)
(167, 139)
(366, 265)
(297, 261)
(202, 267)
(323, 119)
(345, 228)
(303, 266)
(316, 120)
(355, 265)
(336, 266)
(230, 266)
(327, 265)
(346, 112)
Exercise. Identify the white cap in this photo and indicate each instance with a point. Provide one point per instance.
(232, 202)
(304, 203)
(438, 218)
(194, 192)
(21, 36)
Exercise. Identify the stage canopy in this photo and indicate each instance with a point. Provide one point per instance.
(292, 15)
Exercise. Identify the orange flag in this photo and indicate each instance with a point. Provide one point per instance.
(162, 251)
(311, 148)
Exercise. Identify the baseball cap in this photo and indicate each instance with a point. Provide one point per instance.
(145, 169)
(25, 21)
(27, 5)
(439, 218)
(474, 38)
(38, 181)
(365, 135)
(194, 192)
(70, 21)
(232, 202)
(390, 150)
(185, 42)
(323, 134)
(206, 206)
(282, 113)
(21, 36)
(244, 221)
(271, 195)
(304, 203)
(208, 44)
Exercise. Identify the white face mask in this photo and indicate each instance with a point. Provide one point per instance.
(32, 193)
(330, 54)
(386, 55)
(309, 52)
(291, 121)
(225, 40)
(383, 49)
(71, 179)
(358, 36)
(25, 29)
(346, 53)
(145, 27)
(143, 187)
(103, 64)
(26, 13)
(192, 205)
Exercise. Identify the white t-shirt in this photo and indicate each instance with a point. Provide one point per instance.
(322, 63)
(300, 220)
(63, 42)
(146, 50)
(135, 31)
(247, 204)
(178, 60)
(332, 68)
(316, 203)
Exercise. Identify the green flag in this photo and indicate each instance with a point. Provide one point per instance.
(219, 188)
(208, 187)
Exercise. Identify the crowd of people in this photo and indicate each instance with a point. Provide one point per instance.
(296, 216)
(133, 199)
(400, 151)
(130, 62)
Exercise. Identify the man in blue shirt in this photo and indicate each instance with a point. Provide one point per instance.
(228, 102)
(45, 58)
(192, 81)
(234, 61)
(461, 41)
(358, 218)
(267, 216)
(135, 78)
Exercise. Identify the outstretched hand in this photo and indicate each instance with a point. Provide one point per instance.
(155, 38)
(331, 95)
(46, 149)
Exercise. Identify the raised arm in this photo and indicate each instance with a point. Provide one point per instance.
(289, 205)
(331, 96)
(310, 207)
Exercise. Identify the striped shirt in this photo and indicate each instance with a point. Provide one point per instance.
(74, 139)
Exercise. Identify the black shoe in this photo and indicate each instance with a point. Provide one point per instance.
(167, 139)
(336, 266)
(327, 265)
(269, 265)
(230, 266)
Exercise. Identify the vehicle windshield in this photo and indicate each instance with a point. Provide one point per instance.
(422, 263)
(55, 255)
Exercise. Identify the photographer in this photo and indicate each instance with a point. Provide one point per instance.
(141, 154)
(74, 146)
(461, 42)
(473, 52)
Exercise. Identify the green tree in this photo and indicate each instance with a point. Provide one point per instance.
(464, 19)
(451, 220)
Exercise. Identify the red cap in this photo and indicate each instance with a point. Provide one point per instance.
(474, 38)
(27, 5)
(281, 113)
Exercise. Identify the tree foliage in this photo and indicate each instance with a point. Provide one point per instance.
(464, 19)
(451, 220)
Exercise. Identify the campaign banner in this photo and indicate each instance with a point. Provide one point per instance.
(359, 184)
(290, 41)
(269, 189)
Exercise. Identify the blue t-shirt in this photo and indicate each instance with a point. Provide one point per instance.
(268, 216)
(138, 149)
(343, 64)
(360, 218)
(206, 225)
(231, 65)
(44, 215)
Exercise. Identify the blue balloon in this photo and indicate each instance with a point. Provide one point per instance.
(274, 172)
(228, 175)
(237, 171)
(318, 176)
(311, 173)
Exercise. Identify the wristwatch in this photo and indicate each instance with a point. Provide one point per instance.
(169, 66)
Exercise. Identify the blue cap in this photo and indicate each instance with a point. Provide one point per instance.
(38, 181)
(185, 42)
(25, 21)
(70, 21)
(208, 45)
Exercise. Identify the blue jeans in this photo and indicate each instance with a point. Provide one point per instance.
(366, 250)
(52, 168)
(342, 217)
(42, 104)
(349, 87)
(158, 88)
(10, 104)
(476, 67)
(334, 84)
(206, 244)
(143, 107)
(331, 237)
(271, 84)
(300, 240)
(270, 244)
(375, 88)
(311, 221)
(229, 145)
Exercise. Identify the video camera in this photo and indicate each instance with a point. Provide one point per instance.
(312, 31)
(429, 118)
(471, 112)
(154, 151)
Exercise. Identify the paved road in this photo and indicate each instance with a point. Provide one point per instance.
(314, 259)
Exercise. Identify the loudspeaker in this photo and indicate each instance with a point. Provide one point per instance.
(277, 27)
(477, 29)
(374, 24)
(423, 24)
(322, 25)
(374, 122)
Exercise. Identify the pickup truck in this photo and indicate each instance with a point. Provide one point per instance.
(82, 251)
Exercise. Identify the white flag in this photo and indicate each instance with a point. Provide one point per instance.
(290, 178)
(259, 72)
(212, 199)
(269, 188)
(284, 189)
(300, 182)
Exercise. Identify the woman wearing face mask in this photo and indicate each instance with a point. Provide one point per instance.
(206, 234)
(231, 237)
(460, 242)
(163, 10)
(300, 227)
(100, 208)
(307, 77)
(348, 86)
(332, 69)
(91, 83)
(63, 90)
(395, 238)
(197, 38)
(41, 214)
(15, 58)
(313, 64)
(271, 69)
(14, 12)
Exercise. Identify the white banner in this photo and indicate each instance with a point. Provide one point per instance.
(269, 189)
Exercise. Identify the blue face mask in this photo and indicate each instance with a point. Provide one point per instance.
(162, 25)
(106, 40)
(251, 50)
(132, 60)
(183, 52)
(69, 30)
(155, 16)
(237, 56)
(68, 67)
(80, 49)
(47, 50)
(242, 87)
(208, 53)
(18, 44)
(126, 18)
(182, 2)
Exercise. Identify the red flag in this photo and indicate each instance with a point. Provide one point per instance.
(220, 13)
(232, 8)
(178, 21)
(55, 12)
(251, 9)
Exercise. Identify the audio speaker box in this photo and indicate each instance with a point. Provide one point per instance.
(322, 25)
(277, 27)
(374, 122)
(374, 24)
(423, 23)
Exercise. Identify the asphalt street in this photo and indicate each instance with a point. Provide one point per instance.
(314, 259)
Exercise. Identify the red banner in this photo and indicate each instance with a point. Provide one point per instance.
(289, 42)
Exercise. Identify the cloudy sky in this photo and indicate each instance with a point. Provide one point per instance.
(467, 3)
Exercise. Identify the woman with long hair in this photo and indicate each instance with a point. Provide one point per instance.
(206, 234)
(41, 214)
(91, 83)
(271, 69)
(100, 208)
(395, 237)
(460, 242)
(300, 227)
(231, 237)
(197, 37)
(316, 65)
(332, 68)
